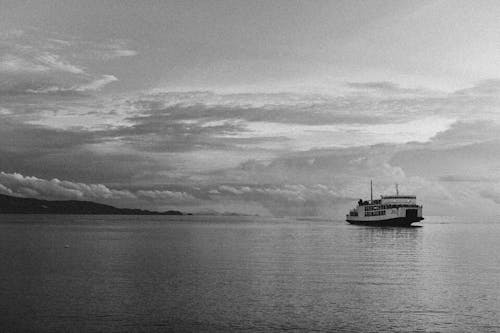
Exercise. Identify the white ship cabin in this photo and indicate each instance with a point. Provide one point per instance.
(385, 204)
(388, 207)
(407, 200)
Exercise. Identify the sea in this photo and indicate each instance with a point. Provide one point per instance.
(63, 273)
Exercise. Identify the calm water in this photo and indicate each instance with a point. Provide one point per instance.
(74, 273)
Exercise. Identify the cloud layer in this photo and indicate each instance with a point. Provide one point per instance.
(37, 63)
(283, 153)
(29, 186)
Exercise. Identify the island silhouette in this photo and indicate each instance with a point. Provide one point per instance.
(18, 205)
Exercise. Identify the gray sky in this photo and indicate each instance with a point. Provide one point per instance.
(269, 107)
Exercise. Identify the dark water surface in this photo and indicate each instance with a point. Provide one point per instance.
(129, 273)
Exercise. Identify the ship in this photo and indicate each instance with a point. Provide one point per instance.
(390, 210)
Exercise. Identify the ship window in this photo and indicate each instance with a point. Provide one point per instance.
(375, 213)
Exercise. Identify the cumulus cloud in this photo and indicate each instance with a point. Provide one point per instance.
(5, 190)
(230, 189)
(287, 199)
(57, 189)
(170, 196)
(30, 186)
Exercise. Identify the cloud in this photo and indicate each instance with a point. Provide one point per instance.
(55, 62)
(89, 86)
(285, 108)
(230, 189)
(57, 189)
(23, 137)
(286, 199)
(12, 33)
(202, 120)
(103, 51)
(467, 150)
(348, 135)
(442, 175)
(489, 87)
(20, 85)
(11, 64)
(5, 190)
(40, 63)
(162, 132)
(386, 88)
(170, 196)
(29, 186)
(491, 194)
(124, 53)
(49, 85)
(467, 132)
(283, 154)
(73, 153)
(464, 178)
(37, 62)
(383, 85)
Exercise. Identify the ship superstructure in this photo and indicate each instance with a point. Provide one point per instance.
(389, 210)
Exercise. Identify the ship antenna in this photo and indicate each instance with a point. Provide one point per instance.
(371, 191)
(397, 189)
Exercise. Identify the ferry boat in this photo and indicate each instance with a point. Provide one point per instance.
(389, 210)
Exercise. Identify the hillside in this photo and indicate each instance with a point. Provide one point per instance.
(16, 205)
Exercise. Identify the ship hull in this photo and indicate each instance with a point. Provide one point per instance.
(393, 222)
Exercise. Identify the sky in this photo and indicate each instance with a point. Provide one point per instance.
(276, 108)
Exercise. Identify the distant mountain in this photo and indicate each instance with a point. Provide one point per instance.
(15, 205)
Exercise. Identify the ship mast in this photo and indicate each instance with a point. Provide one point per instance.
(371, 191)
